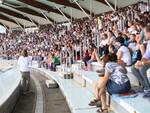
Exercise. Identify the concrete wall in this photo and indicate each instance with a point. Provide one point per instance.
(9, 90)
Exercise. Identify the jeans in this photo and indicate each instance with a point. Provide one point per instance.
(114, 88)
(141, 75)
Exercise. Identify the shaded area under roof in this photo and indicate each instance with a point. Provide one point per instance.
(26, 13)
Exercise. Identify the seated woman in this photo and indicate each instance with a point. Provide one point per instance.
(50, 61)
(123, 52)
(93, 56)
(86, 57)
(115, 81)
(134, 46)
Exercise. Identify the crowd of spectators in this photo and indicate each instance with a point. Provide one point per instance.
(119, 34)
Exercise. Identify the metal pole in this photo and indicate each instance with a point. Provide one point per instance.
(110, 5)
(54, 18)
(5, 27)
(62, 13)
(73, 55)
(71, 14)
(82, 9)
(80, 54)
(91, 8)
(148, 5)
(115, 5)
(76, 52)
(66, 58)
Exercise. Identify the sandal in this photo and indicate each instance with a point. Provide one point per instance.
(98, 104)
(100, 71)
(93, 102)
(100, 110)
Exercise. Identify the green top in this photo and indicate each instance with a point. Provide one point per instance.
(56, 60)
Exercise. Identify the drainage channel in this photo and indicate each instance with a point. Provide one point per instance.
(42, 100)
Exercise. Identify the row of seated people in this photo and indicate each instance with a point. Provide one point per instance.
(125, 42)
(115, 58)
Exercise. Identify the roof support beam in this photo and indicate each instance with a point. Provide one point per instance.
(22, 26)
(31, 20)
(9, 19)
(68, 4)
(110, 5)
(15, 14)
(32, 12)
(106, 3)
(47, 18)
(42, 6)
(6, 27)
(82, 9)
(62, 13)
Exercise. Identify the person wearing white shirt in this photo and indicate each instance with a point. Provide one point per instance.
(123, 53)
(24, 63)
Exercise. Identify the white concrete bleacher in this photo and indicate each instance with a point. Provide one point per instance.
(97, 66)
(9, 89)
(77, 96)
(94, 65)
(6, 65)
(120, 104)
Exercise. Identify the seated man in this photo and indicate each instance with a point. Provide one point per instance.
(140, 67)
(115, 80)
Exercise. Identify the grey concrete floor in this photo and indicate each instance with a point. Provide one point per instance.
(54, 101)
(26, 103)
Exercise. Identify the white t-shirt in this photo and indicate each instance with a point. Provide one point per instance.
(24, 63)
(103, 42)
(126, 56)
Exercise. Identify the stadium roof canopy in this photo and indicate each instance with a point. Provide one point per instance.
(25, 13)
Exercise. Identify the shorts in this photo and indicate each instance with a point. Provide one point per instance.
(114, 88)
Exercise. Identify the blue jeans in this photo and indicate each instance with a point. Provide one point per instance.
(114, 88)
(141, 75)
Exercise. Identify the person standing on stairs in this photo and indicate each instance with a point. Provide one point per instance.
(24, 63)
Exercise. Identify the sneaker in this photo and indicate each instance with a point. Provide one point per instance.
(146, 91)
(138, 89)
(146, 95)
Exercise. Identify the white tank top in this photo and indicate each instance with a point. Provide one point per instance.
(126, 56)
